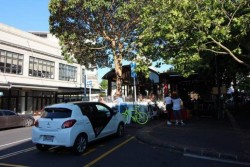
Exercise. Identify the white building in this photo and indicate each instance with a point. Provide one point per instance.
(34, 74)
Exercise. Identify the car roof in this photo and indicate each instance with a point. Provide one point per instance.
(6, 110)
(71, 104)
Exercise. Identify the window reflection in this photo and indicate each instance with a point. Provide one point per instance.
(11, 62)
(67, 73)
(41, 68)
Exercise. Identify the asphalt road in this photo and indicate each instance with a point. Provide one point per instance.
(17, 150)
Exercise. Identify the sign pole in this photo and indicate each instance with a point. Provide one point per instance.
(133, 74)
(135, 90)
(85, 85)
(89, 85)
(90, 93)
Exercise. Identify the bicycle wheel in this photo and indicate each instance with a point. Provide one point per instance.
(141, 117)
(125, 117)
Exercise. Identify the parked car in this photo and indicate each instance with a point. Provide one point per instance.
(75, 124)
(10, 119)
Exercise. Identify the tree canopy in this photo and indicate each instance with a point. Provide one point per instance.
(96, 32)
(180, 31)
(184, 33)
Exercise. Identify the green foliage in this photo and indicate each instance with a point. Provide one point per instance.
(184, 33)
(180, 31)
(96, 32)
(244, 84)
(104, 84)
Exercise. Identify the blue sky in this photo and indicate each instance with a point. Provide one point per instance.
(33, 15)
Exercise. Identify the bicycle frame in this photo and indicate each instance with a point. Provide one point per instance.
(135, 115)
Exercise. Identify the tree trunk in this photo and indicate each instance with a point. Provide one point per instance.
(118, 66)
(118, 72)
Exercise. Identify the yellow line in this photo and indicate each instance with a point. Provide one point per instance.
(3, 164)
(108, 152)
(89, 151)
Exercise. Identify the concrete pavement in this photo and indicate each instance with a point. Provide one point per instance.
(206, 137)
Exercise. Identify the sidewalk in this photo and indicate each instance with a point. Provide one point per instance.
(208, 137)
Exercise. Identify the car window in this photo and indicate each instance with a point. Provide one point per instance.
(87, 109)
(103, 109)
(1, 113)
(56, 113)
(8, 113)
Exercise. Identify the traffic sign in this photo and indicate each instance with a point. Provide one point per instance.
(133, 67)
(89, 84)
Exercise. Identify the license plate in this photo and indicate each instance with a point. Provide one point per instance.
(48, 138)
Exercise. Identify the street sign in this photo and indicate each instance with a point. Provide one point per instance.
(133, 67)
(89, 84)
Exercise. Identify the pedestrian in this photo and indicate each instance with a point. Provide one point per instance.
(152, 106)
(177, 105)
(169, 104)
(101, 100)
(118, 99)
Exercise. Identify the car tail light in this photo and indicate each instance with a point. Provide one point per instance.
(68, 124)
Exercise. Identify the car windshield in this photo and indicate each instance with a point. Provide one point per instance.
(54, 113)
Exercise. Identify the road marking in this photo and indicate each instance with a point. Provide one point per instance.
(89, 151)
(108, 152)
(216, 159)
(12, 165)
(19, 141)
(17, 152)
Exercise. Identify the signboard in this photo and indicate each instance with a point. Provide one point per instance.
(89, 84)
(133, 67)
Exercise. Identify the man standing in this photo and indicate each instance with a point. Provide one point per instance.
(177, 104)
(168, 102)
(118, 101)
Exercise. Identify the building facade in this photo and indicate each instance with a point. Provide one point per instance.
(34, 74)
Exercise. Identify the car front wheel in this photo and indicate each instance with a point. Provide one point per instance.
(28, 122)
(80, 144)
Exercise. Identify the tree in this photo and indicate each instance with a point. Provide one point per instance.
(181, 31)
(104, 84)
(96, 32)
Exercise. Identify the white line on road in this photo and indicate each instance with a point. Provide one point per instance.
(17, 152)
(19, 141)
(216, 159)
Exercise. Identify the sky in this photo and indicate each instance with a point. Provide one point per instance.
(33, 15)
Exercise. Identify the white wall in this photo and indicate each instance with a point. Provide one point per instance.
(25, 43)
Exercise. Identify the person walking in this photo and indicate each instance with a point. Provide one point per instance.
(168, 103)
(177, 104)
(118, 102)
(152, 106)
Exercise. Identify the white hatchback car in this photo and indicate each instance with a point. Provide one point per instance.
(74, 124)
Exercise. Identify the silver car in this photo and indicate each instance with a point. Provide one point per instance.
(10, 119)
